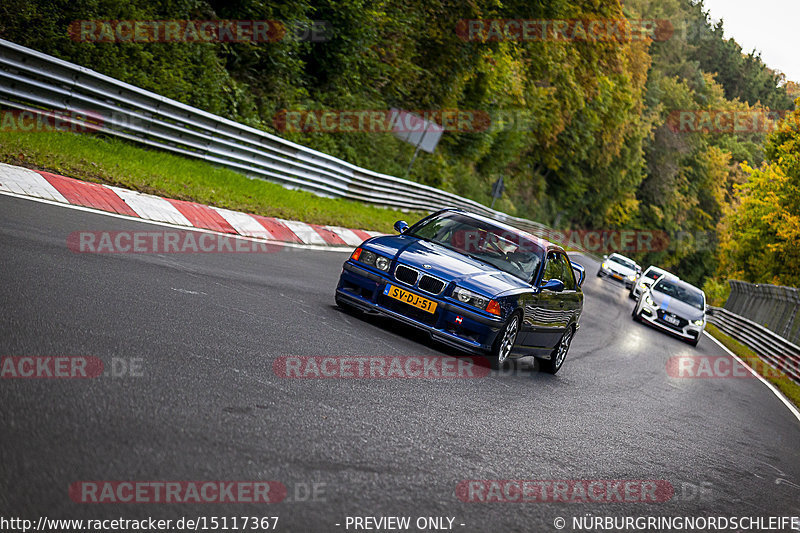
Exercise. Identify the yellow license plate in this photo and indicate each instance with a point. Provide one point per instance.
(410, 298)
(617, 276)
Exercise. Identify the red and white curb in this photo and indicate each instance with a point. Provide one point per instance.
(54, 188)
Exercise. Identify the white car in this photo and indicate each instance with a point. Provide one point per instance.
(619, 268)
(645, 280)
(673, 306)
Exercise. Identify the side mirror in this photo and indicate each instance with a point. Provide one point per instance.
(554, 285)
(580, 271)
(401, 226)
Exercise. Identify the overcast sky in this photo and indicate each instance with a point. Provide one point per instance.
(770, 26)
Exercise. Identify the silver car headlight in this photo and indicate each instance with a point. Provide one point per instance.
(649, 301)
(471, 298)
(632, 277)
(476, 300)
(698, 322)
(642, 285)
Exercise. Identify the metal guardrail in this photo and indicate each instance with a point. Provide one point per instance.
(772, 306)
(33, 81)
(774, 349)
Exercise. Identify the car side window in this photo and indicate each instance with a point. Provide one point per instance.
(568, 276)
(552, 267)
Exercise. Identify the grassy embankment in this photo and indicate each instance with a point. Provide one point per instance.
(115, 162)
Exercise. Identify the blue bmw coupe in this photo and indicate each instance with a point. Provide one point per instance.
(473, 283)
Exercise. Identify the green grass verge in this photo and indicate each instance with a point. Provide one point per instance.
(783, 382)
(115, 162)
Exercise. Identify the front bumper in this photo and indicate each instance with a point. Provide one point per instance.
(649, 314)
(638, 290)
(608, 273)
(364, 288)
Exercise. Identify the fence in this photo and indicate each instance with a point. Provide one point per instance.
(33, 81)
(773, 348)
(773, 307)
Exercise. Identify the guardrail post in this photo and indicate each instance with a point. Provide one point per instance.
(735, 297)
(791, 330)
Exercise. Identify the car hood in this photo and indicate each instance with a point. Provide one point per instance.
(673, 305)
(446, 264)
(619, 269)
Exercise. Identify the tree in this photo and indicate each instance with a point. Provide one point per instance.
(763, 245)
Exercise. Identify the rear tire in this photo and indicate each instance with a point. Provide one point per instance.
(559, 355)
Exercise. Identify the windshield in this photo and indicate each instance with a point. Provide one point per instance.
(682, 292)
(506, 250)
(624, 262)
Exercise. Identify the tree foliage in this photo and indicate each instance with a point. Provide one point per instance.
(580, 130)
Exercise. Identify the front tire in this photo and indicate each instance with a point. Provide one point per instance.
(505, 342)
(556, 361)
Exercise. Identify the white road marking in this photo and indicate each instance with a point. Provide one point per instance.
(151, 207)
(187, 291)
(306, 233)
(774, 390)
(24, 181)
(346, 235)
(244, 224)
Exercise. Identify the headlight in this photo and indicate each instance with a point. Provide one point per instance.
(632, 277)
(476, 300)
(370, 258)
(382, 263)
(603, 266)
(642, 286)
(698, 322)
(649, 301)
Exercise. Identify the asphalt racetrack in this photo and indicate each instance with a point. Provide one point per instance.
(191, 340)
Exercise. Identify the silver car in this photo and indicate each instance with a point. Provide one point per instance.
(645, 279)
(619, 268)
(673, 306)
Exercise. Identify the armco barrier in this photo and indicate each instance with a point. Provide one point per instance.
(771, 306)
(773, 348)
(33, 81)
